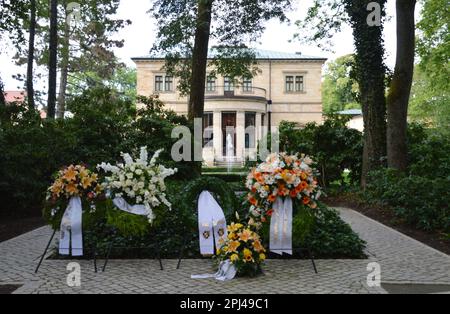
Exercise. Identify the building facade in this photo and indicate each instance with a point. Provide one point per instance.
(238, 111)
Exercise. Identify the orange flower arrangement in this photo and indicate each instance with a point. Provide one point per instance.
(282, 176)
(74, 181)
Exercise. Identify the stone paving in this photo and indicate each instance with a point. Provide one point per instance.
(402, 260)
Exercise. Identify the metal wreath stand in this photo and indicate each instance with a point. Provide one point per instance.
(94, 255)
(308, 249)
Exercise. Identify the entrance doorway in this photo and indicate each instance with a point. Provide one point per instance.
(229, 128)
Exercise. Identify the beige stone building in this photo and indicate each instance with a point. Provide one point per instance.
(238, 111)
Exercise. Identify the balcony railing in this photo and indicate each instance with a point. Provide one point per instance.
(256, 93)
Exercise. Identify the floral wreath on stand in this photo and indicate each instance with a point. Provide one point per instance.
(138, 190)
(69, 182)
(281, 176)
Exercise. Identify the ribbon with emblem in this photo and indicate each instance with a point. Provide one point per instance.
(212, 224)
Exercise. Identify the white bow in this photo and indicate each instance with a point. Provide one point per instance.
(227, 271)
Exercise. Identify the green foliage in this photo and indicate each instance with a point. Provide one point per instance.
(127, 225)
(103, 125)
(123, 80)
(421, 196)
(419, 201)
(333, 238)
(339, 90)
(333, 146)
(223, 193)
(325, 233)
(236, 23)
(434, 42)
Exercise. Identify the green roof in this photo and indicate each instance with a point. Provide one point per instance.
(260, 55)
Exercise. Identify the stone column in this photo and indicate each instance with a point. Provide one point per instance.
(258, 134)
(240, 135)
(218, 147)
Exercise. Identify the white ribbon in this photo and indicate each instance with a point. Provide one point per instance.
(281, 227)
(212, 224)
(140, 210)
(71, 229)
(227, 271)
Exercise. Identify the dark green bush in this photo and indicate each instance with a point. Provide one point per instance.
(420, 196)
(429, 152)
(333, 145)
(419, 201)
(103, 125)
(325, 233)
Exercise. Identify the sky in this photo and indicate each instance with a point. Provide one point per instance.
(140, 36)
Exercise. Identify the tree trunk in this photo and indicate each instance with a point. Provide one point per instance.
(53, 59)
(30, 71)
(370, 72)
(200, 59)
(2, 94)
(65, 55)
(400, 89)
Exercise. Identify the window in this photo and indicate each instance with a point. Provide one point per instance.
(289, 84)
(263, 120)
(208, 130)
(247, 85)
(211, 84)
(159, 81)
(295, 84)
(299, 84)
(250, 130)
(229, 84)
(169, 84)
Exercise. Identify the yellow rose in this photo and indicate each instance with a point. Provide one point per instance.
(262, 257)
(234, 258)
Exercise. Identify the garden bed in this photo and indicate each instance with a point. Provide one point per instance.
(8, 289)
(387, 217)
(13, 227)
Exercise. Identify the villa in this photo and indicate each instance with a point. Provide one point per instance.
(288, 88)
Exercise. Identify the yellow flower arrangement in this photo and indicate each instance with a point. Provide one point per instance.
(244, 249)
(74, 181)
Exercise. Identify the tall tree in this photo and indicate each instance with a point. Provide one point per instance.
(327, 18)
(13, 13)
(200, 59)
(86, 41)
(400, 88)
(370, 72)
(2, 93)
(186, 28)
(30, 61)
(53, 60)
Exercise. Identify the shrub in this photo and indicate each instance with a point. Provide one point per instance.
(333, 145)
(103, 125)
(325, 233)
(419, 201)
(428, 152)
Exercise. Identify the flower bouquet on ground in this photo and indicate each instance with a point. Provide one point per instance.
(281, 176)
(137, 187)
(75, 181)
(243, 249)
